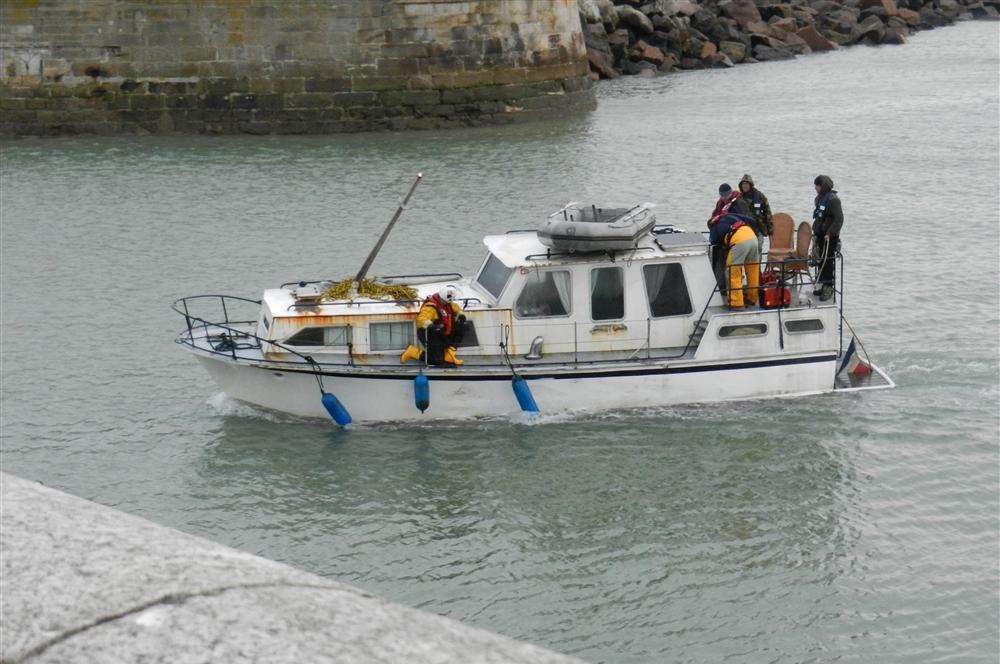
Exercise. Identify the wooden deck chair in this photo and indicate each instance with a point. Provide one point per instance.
(781, 237)
(797, 264)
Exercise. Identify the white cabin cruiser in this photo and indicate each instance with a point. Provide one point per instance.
(584, 331)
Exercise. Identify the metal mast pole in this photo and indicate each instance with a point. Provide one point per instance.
(385, 234)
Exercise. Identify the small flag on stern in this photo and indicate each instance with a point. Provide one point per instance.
(853, 364)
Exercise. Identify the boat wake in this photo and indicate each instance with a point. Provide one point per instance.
(226, 406)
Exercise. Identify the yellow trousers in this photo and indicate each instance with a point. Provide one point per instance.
(744, 260)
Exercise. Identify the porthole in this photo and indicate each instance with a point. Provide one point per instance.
(742, 330)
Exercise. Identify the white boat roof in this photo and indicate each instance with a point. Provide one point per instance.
(523, 248)
(515, 249)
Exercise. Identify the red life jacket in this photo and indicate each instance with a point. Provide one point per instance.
(722, 207)
(446, 315)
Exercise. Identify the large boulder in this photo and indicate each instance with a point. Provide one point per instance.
(824, 6)
(979, 10)
(888, 6)
(788, 24)
(691, 63)
(842, 21)
(870, 30)
(602, 64)
(686, 7)
(652, 7)
(635, 19)
(596, 38)
(911, 17)
(816, 41)
(733, 30)
(741, 11)
(757, 39)
(760, 28)
(894, 36)
(643, 51)
(931, 17)
(838, 38)
(767, 53)
(796, 44)
(707, 51)
(670, 42)
(708, 23)
(670, 62)
(609, 17)
(692, 48)
(949, 7)
(589, 11)
(767, 12)
(636, 68)
(735, 51)
(618, 43)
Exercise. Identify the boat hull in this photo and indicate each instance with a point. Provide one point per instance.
(460, 394)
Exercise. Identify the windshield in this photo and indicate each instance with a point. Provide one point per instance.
(494, 276)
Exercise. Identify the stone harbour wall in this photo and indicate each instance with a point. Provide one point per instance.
(286, 66)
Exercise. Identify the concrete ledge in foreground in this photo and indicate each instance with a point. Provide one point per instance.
(87, 583)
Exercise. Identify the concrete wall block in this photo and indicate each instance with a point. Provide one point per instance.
(411, 97)
(378, 83)
(351, 99)
(181, 101)
(328, 84)
(312, 100)
(147, 102)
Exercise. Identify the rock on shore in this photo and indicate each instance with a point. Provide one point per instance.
(643, 37)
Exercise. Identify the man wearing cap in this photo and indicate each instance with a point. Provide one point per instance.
(729, 201)
(828, 218)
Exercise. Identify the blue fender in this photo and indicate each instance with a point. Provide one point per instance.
(523, 393)
(336, 409)
(421, 392)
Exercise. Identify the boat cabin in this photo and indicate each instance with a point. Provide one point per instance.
(531, 302)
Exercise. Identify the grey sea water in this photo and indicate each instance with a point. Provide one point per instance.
(837, 528)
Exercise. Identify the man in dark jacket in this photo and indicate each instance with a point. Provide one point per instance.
(760, 209)
(828, 218)
(729, 202)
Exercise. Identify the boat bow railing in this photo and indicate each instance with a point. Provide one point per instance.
(231, 339)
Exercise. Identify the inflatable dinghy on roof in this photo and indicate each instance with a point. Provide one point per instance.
(578, 227)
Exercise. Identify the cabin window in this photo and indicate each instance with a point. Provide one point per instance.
(544, 294)
(666, 289)
(320, 336)
(607, 293)
(390, 336)
(745, 330)
(804, 325)
(494, 276)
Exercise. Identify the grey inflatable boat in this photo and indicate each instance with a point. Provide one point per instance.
(579, 227)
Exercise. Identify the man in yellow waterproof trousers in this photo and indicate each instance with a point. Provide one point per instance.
(744, 258)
